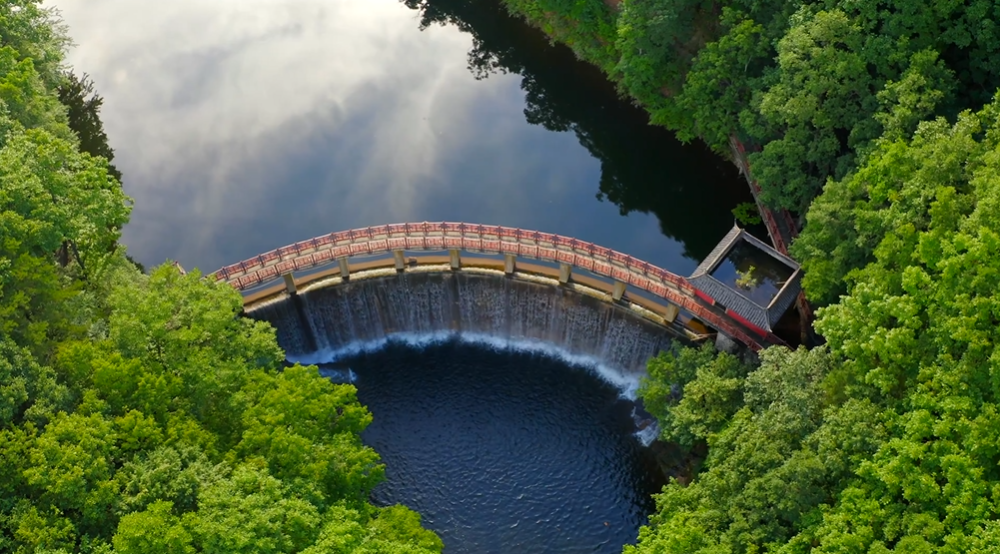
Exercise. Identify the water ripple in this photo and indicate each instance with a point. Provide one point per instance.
(504, 450)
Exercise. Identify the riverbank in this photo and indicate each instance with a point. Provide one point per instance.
(881, 129)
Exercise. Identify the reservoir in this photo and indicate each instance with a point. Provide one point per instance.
(244, 125)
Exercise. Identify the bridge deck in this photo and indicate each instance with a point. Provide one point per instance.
(490, 239)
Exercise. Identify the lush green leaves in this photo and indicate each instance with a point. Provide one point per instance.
(35, 32)
(806, 85)
(24, 98)
(307, 429)
(817, 108)
(586, 26)
(889, 442)
(774, 454)
(141, 413)
(175, 427)
(722, 80)
(693, 393)
(893, 190)
(153, 531)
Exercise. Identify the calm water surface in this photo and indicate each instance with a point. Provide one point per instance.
(244, 125)
(522, 455)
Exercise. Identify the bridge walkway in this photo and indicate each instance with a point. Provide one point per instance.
(511, 242)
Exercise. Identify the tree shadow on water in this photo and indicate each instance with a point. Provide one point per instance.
(691, 190)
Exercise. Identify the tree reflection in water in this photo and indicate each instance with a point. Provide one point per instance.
(691, 190)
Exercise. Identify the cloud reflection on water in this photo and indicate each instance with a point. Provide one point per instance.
(244, 125)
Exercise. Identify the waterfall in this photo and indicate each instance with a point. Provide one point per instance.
(499, 311)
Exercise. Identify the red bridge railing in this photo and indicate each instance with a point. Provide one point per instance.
(492, 239)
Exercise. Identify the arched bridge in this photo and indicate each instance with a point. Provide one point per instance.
(513, 243)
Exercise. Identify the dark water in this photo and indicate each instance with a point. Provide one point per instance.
(643, 169)
(506, 453)
(762, 275)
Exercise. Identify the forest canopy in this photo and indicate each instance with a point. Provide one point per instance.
(139, 413)
(807, 87)
(885, 439)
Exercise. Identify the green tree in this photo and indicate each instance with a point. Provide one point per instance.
(35, 32)
(186, 333)
(50, 196)
(252, 512)
(24, 98)
(308, 431)
(83, 107)
(893, 190)
(693, 392)
(141, 413)
(817, 109)
(657, 40)
(774, 460)
(155, 530)
(722, 80)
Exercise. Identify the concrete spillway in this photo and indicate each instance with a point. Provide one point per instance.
(369, 310)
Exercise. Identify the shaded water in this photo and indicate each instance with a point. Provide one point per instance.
(506, 453)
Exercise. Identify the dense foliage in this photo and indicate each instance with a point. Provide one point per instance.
(878, 122)
(586, 26)
(807, 86)
(898, 188)
(886, 439)
(140, 413)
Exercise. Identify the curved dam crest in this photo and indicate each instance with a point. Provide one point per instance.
(325, 323)
(398, 238)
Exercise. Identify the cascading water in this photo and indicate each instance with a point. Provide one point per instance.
(513, 313)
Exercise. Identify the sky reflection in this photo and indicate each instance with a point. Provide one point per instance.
(244, 125)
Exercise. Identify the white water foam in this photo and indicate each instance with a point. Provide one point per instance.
(339, 375)
(648, 434)
(648, 429)
(627, 385)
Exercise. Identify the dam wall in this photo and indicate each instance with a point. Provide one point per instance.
(340, 317)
